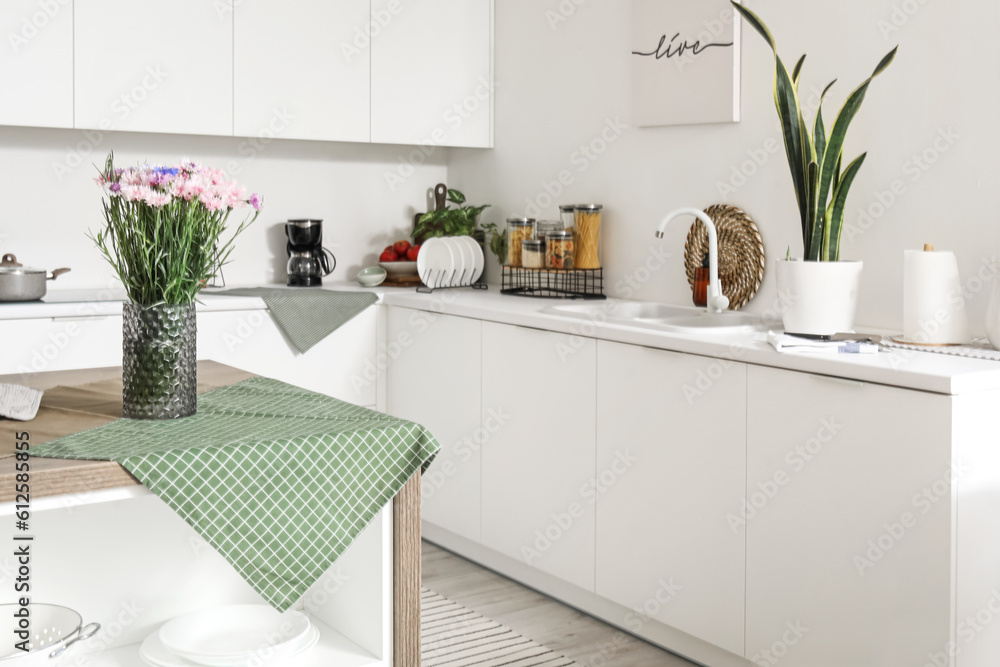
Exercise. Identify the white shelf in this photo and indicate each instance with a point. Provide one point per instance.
(333, 649)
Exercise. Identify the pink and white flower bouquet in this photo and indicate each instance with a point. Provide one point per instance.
(164, 226)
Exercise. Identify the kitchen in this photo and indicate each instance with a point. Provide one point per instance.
(286, 121)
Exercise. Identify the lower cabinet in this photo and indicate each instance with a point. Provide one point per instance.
(60, 343)
(848, 523)
(539, 388)
(671, 465)
(342, 365)
(434, 378)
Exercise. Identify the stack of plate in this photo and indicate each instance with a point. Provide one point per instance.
(451, 261)
(232, 636)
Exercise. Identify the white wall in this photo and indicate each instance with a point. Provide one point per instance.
(560, 85)
(50, 199)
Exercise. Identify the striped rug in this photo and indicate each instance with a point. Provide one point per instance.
(454, 636)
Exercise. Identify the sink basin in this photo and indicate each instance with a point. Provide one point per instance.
(674, 319)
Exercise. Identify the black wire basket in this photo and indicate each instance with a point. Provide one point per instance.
(553, 283)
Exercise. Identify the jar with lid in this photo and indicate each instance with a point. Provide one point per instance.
(587, 220)
(545, 227)
(567, 214)
(519, 230)
(559, 250)
(533, 254)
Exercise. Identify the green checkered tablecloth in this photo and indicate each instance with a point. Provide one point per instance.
(280, 480)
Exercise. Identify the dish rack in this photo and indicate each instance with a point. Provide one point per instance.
(553, 283)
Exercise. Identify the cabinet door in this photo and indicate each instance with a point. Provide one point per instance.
(434, 379)
(671, 463)
(60, 343)
(36, 66)
(848, 522)
(341, 365)
(432, 72)
(154, 66)
(302, 69)
(538, 463)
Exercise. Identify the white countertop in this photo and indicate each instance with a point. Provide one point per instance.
(923, 371)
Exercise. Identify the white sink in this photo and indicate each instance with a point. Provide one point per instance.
(674, 319)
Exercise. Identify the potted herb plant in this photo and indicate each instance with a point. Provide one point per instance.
(821, 291)
(163, 237)
(447, 221)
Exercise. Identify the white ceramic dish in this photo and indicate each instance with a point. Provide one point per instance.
(373, 276)
(478, 260)
(434, 262)
(154, 653)
(225, 636)
(463, 261)
(399, 269)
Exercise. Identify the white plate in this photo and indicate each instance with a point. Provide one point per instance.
(224, 636)
(463, 260)
(435, 262)
(479, 261)
(154, 653)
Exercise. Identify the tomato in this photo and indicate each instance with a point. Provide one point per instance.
(388, 256)
(401, 247)
(413, 253)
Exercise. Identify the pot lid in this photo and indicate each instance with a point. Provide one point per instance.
(10, 266)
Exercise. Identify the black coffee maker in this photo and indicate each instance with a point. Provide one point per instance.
(308, 261)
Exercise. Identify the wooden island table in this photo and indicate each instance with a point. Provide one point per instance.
(107, 547)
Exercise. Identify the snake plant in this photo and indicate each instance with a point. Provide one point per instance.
(816, 160)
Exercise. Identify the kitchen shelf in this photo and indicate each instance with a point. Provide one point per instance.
(553, 283)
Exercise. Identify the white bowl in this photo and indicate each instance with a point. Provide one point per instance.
(373, 276)
(399, 269)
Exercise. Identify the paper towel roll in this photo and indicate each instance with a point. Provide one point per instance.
(933, 311)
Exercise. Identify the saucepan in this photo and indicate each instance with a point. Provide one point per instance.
(20, 283)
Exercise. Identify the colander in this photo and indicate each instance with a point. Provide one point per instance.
(53, 629)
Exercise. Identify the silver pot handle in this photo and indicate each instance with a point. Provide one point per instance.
(57, 273)
(86, 632)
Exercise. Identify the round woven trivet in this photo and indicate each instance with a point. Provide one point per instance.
(741, 253)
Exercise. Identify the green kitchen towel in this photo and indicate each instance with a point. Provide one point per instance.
(280, 480)
(307, 316)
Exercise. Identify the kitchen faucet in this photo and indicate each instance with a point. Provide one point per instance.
(717, 301)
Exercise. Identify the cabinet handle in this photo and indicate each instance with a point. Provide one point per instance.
(83, 318)
(850, 383)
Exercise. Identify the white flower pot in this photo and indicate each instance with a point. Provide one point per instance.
(819, 298)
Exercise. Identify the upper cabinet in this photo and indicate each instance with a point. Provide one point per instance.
(36, 66)
(302, 69)
(154, 67)
(432, 72)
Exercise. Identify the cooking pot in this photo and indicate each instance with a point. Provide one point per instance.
(18, 283)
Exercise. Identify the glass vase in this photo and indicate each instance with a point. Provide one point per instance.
(159, 361)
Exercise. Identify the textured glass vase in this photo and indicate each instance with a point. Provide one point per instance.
(159, 361)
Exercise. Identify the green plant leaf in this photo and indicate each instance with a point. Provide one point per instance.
(835, 145)
(835, 213)
(797, 72)
(456, 197)
(815, 236)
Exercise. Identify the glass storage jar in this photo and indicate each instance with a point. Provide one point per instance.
(559, 250)
(519, 230)
(545, 227)
(533, 254)
(587, 220)
(567, 214)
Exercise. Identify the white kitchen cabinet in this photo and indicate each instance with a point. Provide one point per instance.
(435, 379)
(60, 343)
(341, 365)
(671, 463)
(538, 463)
(154, 67)
(36, 65)
(432, 72)
(301, 70)
(849, 522)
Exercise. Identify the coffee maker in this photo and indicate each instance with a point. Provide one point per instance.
(308, 261)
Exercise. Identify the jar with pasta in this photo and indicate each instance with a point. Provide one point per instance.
(519, 230)
(559, 250)
(588, 236)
